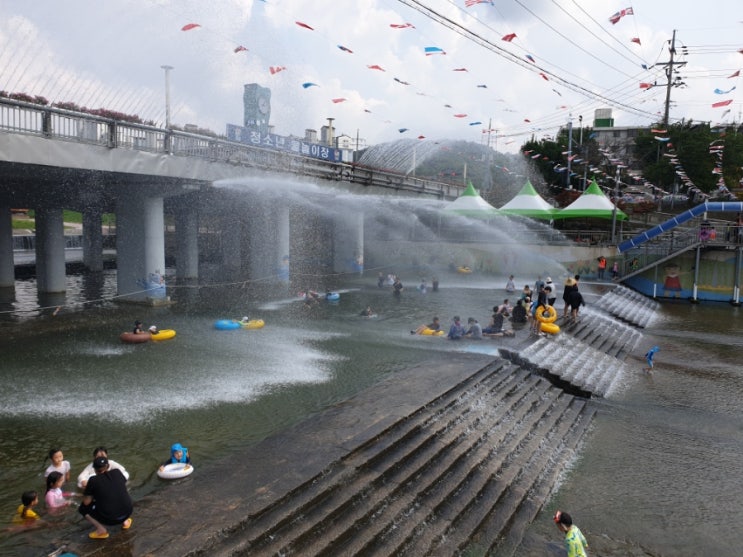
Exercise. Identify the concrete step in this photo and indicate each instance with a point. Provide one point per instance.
(452, 474)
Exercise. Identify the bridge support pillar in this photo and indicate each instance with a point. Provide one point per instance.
(140, 248)
(92, 239)
(283, 242)
(186, 244)
(50, 250)
(7, 267)
(230, 240)
(268, 242)
(348, 241)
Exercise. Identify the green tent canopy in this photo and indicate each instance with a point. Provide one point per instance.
(471, 204)
(591, 204)
(528, 203)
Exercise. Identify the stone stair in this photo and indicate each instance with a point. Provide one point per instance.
(468, 470)
(587, 358)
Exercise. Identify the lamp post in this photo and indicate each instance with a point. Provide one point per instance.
(167, 95)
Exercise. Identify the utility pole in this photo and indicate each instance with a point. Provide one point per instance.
(570, 149)
(670, 81)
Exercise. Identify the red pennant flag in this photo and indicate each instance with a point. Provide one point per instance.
(636, 40)
(339, 100)
(276, 69)
(508, 38)
(645, 85)
(460, 116)
(657, 131)
(190, 26)
(240, 49)
(722, 103)
(544, 76)
(735, 74)
(402, 26)
(421, 137)
(304, 25)
(376, 67)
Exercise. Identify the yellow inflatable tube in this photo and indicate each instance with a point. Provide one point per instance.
(547, 315)
(432, 333)
(253, 324)
(551, 328)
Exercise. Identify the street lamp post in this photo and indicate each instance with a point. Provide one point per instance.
(167, 143)
(167, 95)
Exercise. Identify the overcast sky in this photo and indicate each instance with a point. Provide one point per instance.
(108, 54)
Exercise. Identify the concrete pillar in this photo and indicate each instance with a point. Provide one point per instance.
(7, 265)
(230, 242)
(186, 244)
(50, 250)
(268, 242)
(140, 248)
(283, 235)
(348, 244)
(92, 239)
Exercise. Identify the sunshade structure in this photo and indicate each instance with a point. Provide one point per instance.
(528, 203)
(470, 204)
(591, 204)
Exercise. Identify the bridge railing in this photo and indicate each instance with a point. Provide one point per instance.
(67, 125)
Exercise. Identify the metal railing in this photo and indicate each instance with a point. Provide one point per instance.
(66, 125)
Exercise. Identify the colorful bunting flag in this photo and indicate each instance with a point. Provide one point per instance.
(276, 69)
(508, 38)
(722, 103)
(620, 14)
(190, 26)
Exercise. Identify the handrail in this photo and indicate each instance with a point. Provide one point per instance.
(66, 125)
(706, 207)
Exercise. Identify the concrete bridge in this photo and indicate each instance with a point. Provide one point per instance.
(53, 159)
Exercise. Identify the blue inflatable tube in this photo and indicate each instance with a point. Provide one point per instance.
(332, 296)
(226, 325)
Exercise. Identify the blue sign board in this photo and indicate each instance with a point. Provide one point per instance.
(297, 146)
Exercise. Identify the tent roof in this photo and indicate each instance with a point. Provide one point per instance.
(471, 204)
(591, 204)
(529, 203)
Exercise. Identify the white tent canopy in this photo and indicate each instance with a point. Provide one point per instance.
(471, 204)
(591, 204)
(528, 203)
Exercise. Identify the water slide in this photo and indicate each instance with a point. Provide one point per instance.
(681, 218)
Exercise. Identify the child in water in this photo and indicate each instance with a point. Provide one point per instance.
(575, 541)
(25, 511)
(59, 464)
(178, 454)
(55, 497)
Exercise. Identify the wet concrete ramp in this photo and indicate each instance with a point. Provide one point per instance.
(453, 454)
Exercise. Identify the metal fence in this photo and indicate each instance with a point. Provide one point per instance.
(66, 125)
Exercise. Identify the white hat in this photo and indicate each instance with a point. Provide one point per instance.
(549, 279)
(153, 328)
